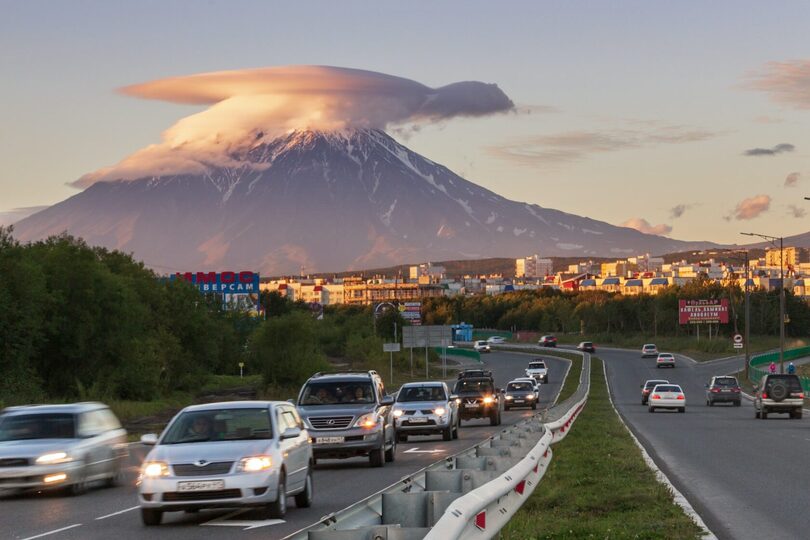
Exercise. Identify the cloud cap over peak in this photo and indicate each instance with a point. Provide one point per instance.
(272, 101)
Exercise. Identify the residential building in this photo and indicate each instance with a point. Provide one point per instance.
(793, 256)
(533, 267)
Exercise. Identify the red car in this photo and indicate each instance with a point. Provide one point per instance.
(547, 341)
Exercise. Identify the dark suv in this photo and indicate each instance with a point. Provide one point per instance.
(348, 414)
(478, 397)
(779, 393)
(723, 390)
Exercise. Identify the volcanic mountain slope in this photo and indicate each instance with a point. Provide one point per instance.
(326, 201)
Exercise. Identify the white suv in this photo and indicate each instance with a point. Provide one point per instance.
(779, 393)
(481, 346)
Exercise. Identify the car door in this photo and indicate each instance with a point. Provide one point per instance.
(290, 448)
(91, 432)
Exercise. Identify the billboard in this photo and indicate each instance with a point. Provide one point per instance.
(703, 311)
(427, 336)
(411, 312)
(239, 290)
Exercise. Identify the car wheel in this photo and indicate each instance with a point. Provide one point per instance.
(651, 409)
(737, 403)
(117, 477)
(447, 434)
(711, 403)
(79, 487)
(151, 516)
(763, 415)
(375, 458)
(455, 429)
(304, 499)
(534, 406)
(756, 413)
(682, 409)
(401, 437)
(506, 407)
(278, 508)
(799, 414)
(391, 453)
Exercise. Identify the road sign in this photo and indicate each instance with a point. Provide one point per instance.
(738, 338)
(738, 345)
(390, 347)
(426, 336)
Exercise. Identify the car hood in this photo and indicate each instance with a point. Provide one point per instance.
(209, 451)
(520, 393)
(336, 410)
(473, 393)
(418, 405)
(35, 447)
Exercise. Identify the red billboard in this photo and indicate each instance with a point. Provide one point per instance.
(703, 311)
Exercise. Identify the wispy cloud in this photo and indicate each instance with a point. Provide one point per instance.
(678, 210)
(792, 180)
(787, 83)
(642, 225)
(750, 208)
(778, 149)
(577, 145)
(14, 215)
(768, 119)
(250, 105)
(796, 211)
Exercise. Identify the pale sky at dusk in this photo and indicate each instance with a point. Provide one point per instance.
(690, 119)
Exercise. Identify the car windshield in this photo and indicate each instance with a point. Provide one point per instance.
(37, 426)
(667, 388)
(725, 381)
(664, 355)
(421, 393)
(653, 384)
(537, 365)
(466, 385)
(586, 344)
(648, 346)
(519, 387)
(336, 393)
(219, 425)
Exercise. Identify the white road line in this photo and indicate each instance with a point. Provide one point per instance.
(117, 513)
(54, 532)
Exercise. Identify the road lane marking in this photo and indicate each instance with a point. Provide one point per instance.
(224, 521)
(415, 450)
(117, 513)
(54, 531)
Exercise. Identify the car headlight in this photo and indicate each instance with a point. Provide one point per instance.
(439, 410)
(488, 400)
(509, 397)
(155, 469)
(530, 396)
(367, 421)
(398, 413)
(53, 458)
(254, 464)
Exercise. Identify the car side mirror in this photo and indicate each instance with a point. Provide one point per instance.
(291, 433)
(291, 401)
(387, 400)
(149, 439)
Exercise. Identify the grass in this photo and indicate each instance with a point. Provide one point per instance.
(598, 485)
(705, 349)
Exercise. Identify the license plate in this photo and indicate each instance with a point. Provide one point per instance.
(418, 420)
(471, 405)
(518, 401)
(329, 440)
(205, 485)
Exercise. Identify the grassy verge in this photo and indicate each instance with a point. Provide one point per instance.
(598, 485)
(705, 349)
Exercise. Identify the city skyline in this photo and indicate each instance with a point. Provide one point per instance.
(685, 120)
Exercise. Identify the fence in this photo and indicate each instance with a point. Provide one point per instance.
(764, 359)
(472, 494)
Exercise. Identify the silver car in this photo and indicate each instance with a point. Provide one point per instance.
(238, 453)
(426, 408)
(61, 446)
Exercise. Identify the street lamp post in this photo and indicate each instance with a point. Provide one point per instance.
(772, 240)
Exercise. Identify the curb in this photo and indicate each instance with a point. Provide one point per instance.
(678, 497)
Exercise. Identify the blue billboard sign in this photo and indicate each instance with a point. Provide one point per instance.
(239, 290)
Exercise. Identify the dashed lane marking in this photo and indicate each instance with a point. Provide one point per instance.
(117, 513)
(54, 531)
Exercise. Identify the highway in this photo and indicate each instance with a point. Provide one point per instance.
(113, 513)
(746, 478)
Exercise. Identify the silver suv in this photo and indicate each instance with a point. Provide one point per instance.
(426, 408)
(348, 414)
(779, 393)
(61, 446)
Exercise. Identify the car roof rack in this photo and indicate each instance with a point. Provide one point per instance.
(369, 372)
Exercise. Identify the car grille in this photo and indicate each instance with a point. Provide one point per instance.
(417, 424)
(14, 462)
(190, 469)
(172, 496)
(330, 422)
(423, 411)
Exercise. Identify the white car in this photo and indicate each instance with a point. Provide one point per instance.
(481, 346)
(534, 383)
(665, 359)
(496, 340)
(237, 453)
(667, 396)
(649, 350)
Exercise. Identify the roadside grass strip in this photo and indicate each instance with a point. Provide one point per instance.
(598, 485)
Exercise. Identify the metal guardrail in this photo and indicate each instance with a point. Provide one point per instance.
(764, 359)
(472, 494)
(455, 351)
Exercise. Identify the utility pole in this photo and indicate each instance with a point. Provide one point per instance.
(747, 314)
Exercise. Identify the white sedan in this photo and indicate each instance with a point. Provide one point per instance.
(496, 340)
(667, 396)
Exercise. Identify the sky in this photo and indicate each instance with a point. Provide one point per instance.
(688, 119)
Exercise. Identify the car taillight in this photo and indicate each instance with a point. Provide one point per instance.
(764, 395)
(735, 390)
(656, 396)
(715, 390)
(680, 396)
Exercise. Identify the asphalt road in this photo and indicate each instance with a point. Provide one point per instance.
(113, 513)
(746, 478)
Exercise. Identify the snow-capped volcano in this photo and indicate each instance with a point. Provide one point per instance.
(327, 201)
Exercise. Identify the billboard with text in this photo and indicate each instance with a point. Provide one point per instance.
(703, 311)
(239, 290)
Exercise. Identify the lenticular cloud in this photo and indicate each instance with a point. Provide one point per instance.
(250, 104)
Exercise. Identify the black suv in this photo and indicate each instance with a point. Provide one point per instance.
(478, 397)
(723, 390)
(779, 393)
(348, 414)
